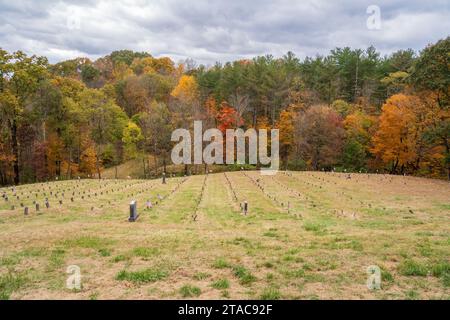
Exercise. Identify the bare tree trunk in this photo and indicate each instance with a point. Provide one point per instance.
(15, 149)
(79, 148)
(394, 166)
(44, 131)
(447, 148)
(164, 163)
(143, 163)
(69, 168)
(2, 178)
(356, 80)
(97, 163)
(58, 170)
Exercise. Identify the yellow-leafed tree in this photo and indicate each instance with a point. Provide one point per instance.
(186, 89)
(286, 127)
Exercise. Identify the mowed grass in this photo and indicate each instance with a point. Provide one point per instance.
(307, 235)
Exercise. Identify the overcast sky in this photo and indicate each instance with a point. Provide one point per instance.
(209, 31)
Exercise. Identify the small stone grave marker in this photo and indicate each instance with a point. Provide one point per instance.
(133, 211)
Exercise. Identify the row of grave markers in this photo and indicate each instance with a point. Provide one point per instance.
(199, 199)
(283, 205)
(47, 203)
(149, 205)
(339, 193)
(133, 206)
(242, 205)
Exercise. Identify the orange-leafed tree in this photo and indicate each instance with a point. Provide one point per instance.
(262, 122)
(6, 160)
(55, 155)
(406, 140)
(286, 126)
(396, 142)
(88, 162)
(211, 110)
(227, 118)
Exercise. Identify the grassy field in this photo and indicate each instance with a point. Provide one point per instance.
(307, 235)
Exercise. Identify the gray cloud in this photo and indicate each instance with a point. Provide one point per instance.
(210, 31)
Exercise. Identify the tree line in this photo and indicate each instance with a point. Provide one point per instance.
(351, 110)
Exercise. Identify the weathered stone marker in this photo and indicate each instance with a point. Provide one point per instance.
(164, 178)
(25, 211)
(133, 211)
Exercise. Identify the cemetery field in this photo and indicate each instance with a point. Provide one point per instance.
(307, 235)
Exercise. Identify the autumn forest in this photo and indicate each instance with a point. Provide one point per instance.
(353, 110)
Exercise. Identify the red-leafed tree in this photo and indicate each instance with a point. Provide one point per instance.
(228, 118)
